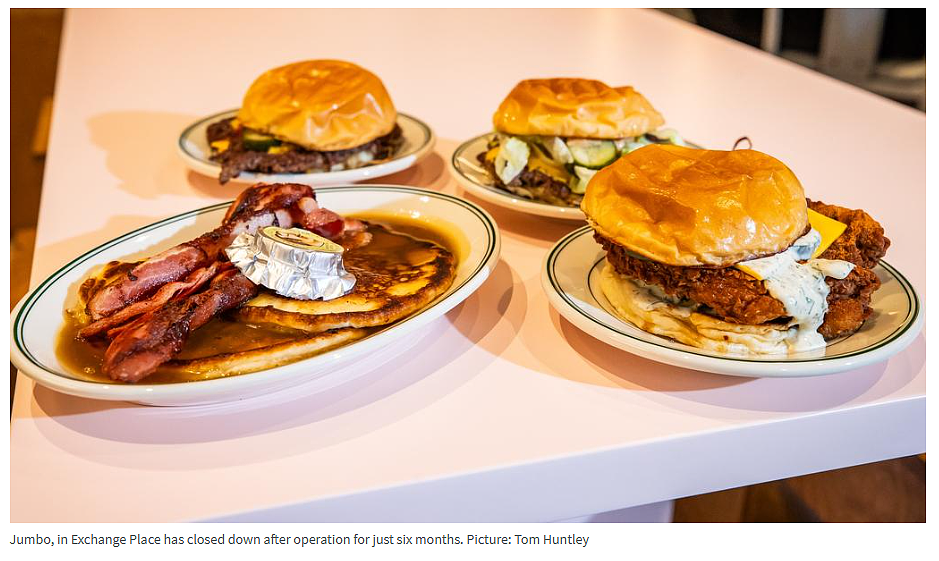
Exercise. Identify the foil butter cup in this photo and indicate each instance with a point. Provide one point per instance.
(292, 262)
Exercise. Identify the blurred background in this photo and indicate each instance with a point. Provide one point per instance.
(880, 50)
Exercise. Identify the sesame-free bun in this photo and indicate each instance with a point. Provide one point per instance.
(688, 207)
(574, 107)
(319, 104)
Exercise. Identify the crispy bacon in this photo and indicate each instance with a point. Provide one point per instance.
(115, 331)
(149, 312)
(190, 284)
(264, 197)
(160, 335)
(146, 277)
(325, 225)
(259, 206)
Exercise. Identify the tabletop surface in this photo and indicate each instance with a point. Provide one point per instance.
(502, 410)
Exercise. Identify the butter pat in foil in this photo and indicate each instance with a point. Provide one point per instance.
(293, 262)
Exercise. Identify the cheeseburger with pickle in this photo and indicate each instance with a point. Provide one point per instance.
(310, 116)
(722, 251)
(552, 136)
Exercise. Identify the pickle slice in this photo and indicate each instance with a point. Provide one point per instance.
(257, 141)
(591, 153)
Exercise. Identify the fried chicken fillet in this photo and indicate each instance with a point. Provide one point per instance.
(734, 296)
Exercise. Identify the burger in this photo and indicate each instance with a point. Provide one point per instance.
(310, 116)
(722, 251)
(552, 135)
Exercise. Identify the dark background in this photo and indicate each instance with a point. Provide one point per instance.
(904, 29)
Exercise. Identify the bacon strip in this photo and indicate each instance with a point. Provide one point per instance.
(150, 311)
(160, 335)
(115, 331)
(168, 291)
(146, 277)
(256, 207)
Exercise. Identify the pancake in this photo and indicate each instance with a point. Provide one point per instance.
(262, 358)
(396, 275)
(221, 348)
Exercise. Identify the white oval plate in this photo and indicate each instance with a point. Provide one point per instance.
(39, 315)
(571, 279)
(466, 170)
(419, 140)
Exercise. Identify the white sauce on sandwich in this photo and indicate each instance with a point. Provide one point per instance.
(800, 287)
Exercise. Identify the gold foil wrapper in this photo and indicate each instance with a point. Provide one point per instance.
(294, 263)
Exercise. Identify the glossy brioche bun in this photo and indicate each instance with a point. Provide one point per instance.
(320, 105)
(574, 107)
(688, 207)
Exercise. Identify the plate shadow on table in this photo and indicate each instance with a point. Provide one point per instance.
(528, 228)
(427, 173)
(503, 296)
(390, 392)
(129, 138)
(664, 383)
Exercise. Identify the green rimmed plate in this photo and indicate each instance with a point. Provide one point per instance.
(571, 279)
(39, 315)
(419, 139)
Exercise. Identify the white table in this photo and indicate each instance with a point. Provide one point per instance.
(507, 412)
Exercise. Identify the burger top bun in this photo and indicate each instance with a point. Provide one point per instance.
(574, 107)
(688, 207)
(319, 104)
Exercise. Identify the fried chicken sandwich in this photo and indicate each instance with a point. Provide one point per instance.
(722, 251)
(310, 116)
(552, 135)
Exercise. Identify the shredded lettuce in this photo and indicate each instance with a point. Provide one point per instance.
(558, 149)
(512, 159)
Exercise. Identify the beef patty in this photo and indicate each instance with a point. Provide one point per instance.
(237, 158)
(533, 184)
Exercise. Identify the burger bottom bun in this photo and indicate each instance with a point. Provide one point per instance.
(638, 305)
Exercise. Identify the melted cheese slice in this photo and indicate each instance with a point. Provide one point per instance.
(828, 228)
(748, 271)
(537, 162)
(491, 154)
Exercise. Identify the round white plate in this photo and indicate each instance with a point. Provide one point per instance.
(571, 279)
(466, 170)
(39, 315)
(194, 149)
